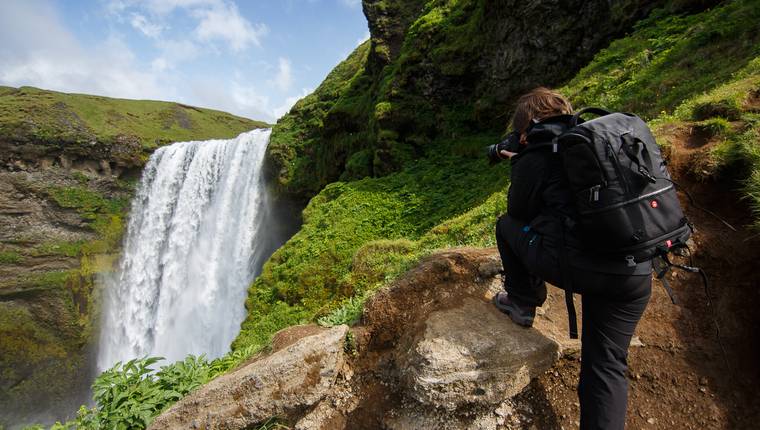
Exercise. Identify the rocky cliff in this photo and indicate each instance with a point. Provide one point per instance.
(68, 166)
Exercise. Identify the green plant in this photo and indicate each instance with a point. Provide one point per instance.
(348, 312)
(9, 257)
(274, 423)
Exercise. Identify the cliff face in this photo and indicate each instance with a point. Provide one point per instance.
(437, 71)
(68, 166)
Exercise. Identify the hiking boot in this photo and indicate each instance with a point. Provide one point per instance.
(520, 314)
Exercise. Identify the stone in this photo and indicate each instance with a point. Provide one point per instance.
(285, 384)
(473, 355)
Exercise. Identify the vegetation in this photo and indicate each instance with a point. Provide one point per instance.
(130, 394)
(360, 233)
(73, 121)
(296, 134)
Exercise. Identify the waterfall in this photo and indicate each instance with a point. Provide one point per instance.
(195, 237)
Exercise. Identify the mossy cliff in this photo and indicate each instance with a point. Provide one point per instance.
(396, 145)
(68, 167)
(434, 72)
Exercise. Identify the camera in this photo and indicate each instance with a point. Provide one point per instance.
(511, 144)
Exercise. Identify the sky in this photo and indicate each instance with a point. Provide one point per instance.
(253, 58)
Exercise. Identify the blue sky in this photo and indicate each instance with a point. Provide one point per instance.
(253, 58)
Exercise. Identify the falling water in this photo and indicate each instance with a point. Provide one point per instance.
(196, 234)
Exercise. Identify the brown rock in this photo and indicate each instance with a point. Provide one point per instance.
(285, 384)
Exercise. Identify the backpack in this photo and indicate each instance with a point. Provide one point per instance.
(626, 202)
(624, 196)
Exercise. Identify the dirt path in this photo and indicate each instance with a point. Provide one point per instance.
(679, 379)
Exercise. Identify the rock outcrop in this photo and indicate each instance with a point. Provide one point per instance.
(431, 352)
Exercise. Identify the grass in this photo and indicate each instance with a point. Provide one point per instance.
(356, 234)
(74, 121)
(670, 59)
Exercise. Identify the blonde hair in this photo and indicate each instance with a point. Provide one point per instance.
(538, 104)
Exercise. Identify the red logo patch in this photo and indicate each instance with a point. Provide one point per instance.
(654, 204)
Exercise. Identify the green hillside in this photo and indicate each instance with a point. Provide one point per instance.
(73, 121)
(349, 242)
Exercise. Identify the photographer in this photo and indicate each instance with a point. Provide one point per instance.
(537, 243)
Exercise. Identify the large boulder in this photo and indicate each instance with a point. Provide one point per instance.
(285, 384)
(470, 356)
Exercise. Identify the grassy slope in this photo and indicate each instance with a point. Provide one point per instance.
(30, 114)
(359, 235)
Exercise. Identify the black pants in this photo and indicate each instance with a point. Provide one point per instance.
(612, 306)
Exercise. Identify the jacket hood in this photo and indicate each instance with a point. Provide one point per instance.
(542, 134)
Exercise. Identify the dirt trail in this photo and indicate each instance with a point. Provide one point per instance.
(679, 379)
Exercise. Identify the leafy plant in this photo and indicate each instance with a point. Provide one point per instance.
(349, 312)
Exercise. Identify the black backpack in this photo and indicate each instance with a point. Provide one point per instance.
(626, 202)
(625, 198)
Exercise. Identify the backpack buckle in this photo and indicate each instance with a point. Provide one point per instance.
(631, 260)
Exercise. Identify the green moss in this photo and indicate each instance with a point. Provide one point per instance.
(89, 204)
(359, 234)
(67, 249)
(295, 139)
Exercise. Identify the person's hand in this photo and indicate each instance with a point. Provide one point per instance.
(506, 154)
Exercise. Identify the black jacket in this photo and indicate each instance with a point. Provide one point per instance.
(540, 196)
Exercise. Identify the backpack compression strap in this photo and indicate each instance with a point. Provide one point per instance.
(567, 284)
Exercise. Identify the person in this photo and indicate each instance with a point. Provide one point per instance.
(537, 244)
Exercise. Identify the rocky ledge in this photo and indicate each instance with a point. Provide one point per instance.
(431, 352)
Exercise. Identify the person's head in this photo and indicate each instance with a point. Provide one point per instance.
(538, 104)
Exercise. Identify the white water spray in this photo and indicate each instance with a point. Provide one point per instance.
(195, 235)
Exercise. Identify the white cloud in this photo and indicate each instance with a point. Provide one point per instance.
(38, 50)
(284, 77)
(224, 22)
(215, 21)
(148, 28)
